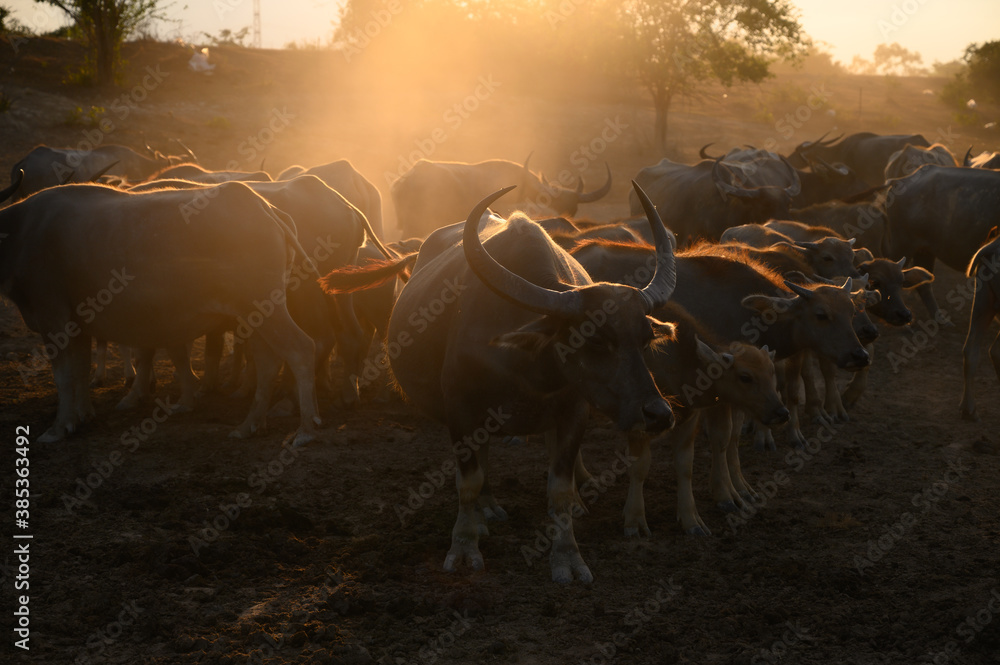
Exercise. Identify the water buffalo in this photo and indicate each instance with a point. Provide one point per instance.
(84, 261)
(941, 213)
(435, 194)
(866, 153)
(511, 336)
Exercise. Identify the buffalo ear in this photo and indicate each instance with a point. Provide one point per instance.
(779, 306)
(531, 343)
(914, 277)
(863, 255)
(862, 299)
(663, 329)
(664, 333)
(530, 338)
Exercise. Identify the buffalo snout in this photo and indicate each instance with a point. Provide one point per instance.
(657, 415)
(868, 334)
(778, 416)
(859, 358)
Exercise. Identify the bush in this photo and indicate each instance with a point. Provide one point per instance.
(89, 118)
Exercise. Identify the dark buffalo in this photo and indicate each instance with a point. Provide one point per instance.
(866, 153)
(45, 167)
(435, 194)
(704, 200)
(941, 213)
(511, 336)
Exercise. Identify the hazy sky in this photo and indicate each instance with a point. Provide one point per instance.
(937, 29)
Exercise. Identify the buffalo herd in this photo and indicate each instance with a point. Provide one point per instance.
(727, 303)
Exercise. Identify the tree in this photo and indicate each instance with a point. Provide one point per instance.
(104, 25)
(675, 47)
(891, 59)
(983, 73)
(978, 77)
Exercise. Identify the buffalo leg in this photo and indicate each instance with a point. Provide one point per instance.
(81, 373)
(189, 382)
(833, 404)
(682, 437)
(127, 354)
(287, 340)
(790, 396)
(267, 365)
(564, 558)
(814, 407)
(487, 502)
(859, 381)
(140, 389)
(101, 373)
(470, 523)
(66, 365)
(718, 425)
(742, 487)
(984, 308)
(635, 506)
(214, 342)
(926, 260)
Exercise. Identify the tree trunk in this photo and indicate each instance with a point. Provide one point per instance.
(661, 102)
(105, 54)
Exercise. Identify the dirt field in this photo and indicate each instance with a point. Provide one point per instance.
(167, 542)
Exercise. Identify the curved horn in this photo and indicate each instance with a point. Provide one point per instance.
(506, 284)
(705, 155)
(579, 186)
(15, 182)
(107, 168)
(831, 141)
(656, 294)
(727, 189)
(590, 197)
(818, 141)
(262, 164)
(69, 176)
(186, 149)
(800, 291)
(795, 188)
(526, 160)
(967, 160)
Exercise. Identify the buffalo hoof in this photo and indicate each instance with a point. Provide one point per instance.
(727, 506)
(302, 438)
(246, 430)
(764, 441)
(971, 416)
(699, 530)
(129, 402)
(563, 570)
(635, 531)
(495, 512)
(749, 497)
(850, 396)
(460, 553)
(796, 439)
(52, 435)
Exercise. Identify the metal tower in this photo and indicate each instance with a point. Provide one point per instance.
(256, 24)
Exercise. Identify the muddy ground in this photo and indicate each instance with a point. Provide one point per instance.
(167, 542)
